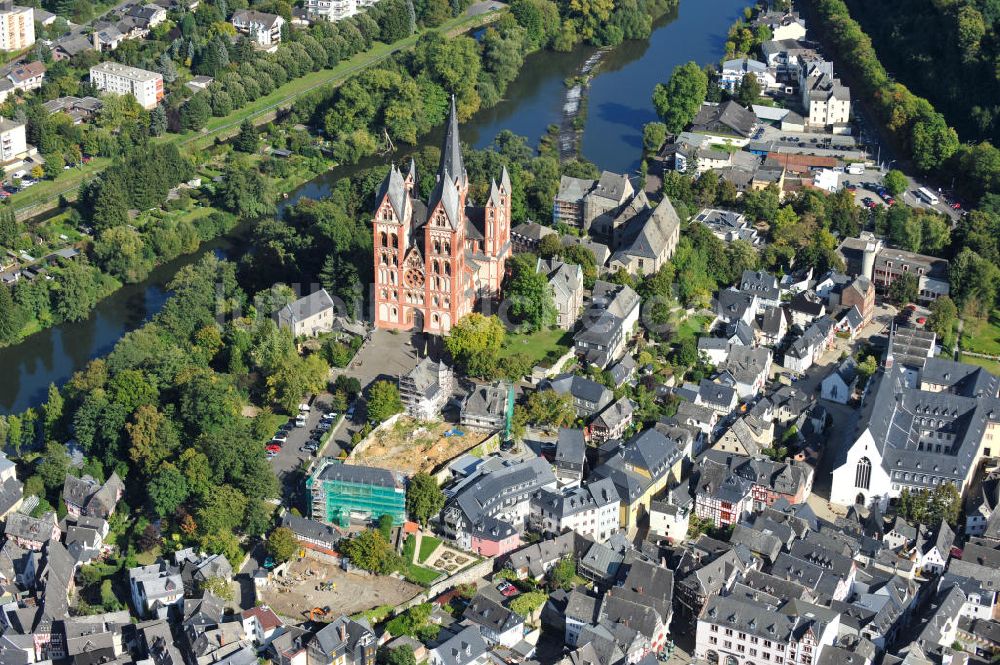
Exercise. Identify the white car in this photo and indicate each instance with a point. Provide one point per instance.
(304, 408)
(300, 421)
(330, 415)
(280, 438)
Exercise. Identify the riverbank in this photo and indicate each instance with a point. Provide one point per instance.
(533, 101)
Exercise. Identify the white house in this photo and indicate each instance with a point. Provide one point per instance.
(310, 315)
(264, 29)
(733, 72)
(839, 385)
(497, 624)
(467, 647)
(807, 349)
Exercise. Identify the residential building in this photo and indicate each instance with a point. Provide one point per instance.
(488, 406)
(156, 589)
(145, 86)
(27, 76)
(839, 385)
(492, 537)
(607, 324)
(335, 10)
(825, 99)
(590, 510)
(917, 429)
(727, 122)
(527, 236)
(260, 623)
(807, 349)
(772, 326)
(746, 369)
(720, 495)
(11, 489)
(467, 647)
(426, 389)
(263, 29)
(804, 308)
(733, 72)
(313, 535)
(77, 108)
(648, 240)
(13, 143)
(434, 261)
(746, 436)
(308, 316)
(600, 251)
(566, 281)
(570, 457)
(148, 16)
(17, 26)
(85, 496)
(580, 203)
(727, 225)
(612, 422)
(32, 533)
(642, 468)
(342, 492)
(933, 554)
(734, 630)
(503, 494)
(783, 25)
(931, 272)
(589, 397)
(643, 602)
(671, 518)
(343, 641)
(717, 396)
(497, 624)
(761, 284)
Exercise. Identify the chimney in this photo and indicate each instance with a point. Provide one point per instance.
(343, 633)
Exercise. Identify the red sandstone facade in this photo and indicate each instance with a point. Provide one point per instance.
(434, 261)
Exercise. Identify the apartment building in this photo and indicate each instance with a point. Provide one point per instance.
(264, 29)
(13, 141)
(335, 10)
(145, 86)
(17, 26)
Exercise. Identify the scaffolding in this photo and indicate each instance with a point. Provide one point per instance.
(342, 493)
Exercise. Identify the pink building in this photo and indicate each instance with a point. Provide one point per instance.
(491, 537)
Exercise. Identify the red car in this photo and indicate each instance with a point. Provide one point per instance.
(922, 320)
(507, 589)
(273, 448)
(956, 206)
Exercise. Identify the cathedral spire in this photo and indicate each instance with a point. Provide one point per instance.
(451, 152)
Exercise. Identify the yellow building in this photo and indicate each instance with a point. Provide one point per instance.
(644, 467)
(17, 26)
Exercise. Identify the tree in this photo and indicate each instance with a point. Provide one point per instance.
(424, 498)
(943, 316)
(154, 438)
(475, 342)
(529, 294)
(654, 135)
(282, 544)
(401, 655)
(383, 401)
(54, 405)
(895, 182)
(196, 112)
(217, 586)
(749, 91)
(168, 489)
(370, 551)
(562, 575)
(244, 190)
(54, 465)
(527, 604)
(76, 292)
(295, 377)
(549, 246)
(10, 317)
(246, 140)
(678, 101)
(904, 289)
(110, 204)
(549, 408)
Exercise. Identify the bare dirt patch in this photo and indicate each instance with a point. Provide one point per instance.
(307, 585)
(411, 446)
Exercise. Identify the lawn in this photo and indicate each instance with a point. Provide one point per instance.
(411, 571)
(66, 185)
(982, 336)
(539, 346)
(427, 547)
(693, 326)
(992, 365)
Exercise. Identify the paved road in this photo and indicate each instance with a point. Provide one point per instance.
(288, 464)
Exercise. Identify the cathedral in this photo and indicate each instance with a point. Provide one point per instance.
(434, 261)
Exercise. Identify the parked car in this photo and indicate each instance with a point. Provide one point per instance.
(329, 415)
(270, 454)
(300, 421)
(956, 206)
(280, 438)
(323, 427)
(507, 589)
(308, 449)
(304, 408)
(273, 448)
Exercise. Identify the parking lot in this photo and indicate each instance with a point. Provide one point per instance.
(287, 464)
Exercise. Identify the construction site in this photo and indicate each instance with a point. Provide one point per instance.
(320, 591)
(411, 446)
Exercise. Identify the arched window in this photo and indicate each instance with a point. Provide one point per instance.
(395, 240)
(863, 473)
(436, 267)
(385, 242)
(731, 660)
(447, 268)
(712, 657)
(447, 247)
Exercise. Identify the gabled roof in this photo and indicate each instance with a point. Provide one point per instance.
(306, 307)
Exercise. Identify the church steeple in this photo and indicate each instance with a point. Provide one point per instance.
(451, 152)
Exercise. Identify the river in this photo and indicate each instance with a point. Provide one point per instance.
(619, 105)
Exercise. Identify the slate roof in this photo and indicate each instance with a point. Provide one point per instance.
(760, 283)
(650, 451)
(249, 16)
(580, 387)
(306, 307)
(713, 393)
(489, 614)
(361, 475)
(487, 494)
(464, 647)
(653, 230)
(729, 114)
(614, 414)
(571, 448)
(765, 544)
(747, 364)
(732, 304)
(532, 230)
(813, 337)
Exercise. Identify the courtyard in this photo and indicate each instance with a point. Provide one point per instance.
(311, 583)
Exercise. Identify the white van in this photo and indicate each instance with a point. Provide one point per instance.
(856, 169)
